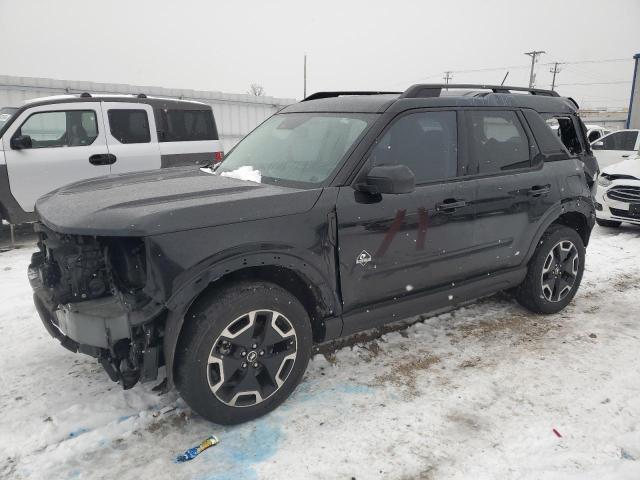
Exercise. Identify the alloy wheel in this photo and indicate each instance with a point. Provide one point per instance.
(252, 358)
(559, 271)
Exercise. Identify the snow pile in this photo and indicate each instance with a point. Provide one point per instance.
(244, 173)
(475, 393)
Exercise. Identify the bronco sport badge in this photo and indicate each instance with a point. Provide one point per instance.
(363, 258)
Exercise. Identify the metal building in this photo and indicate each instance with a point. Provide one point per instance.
(236, 114)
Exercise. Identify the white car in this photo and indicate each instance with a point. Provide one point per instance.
(616, 147)
(618, 194)
(51, 142)
(595, 132)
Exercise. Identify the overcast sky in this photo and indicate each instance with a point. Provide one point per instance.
(225, 46)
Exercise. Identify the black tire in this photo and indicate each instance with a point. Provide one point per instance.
(228, 310)
(608, 223)
(542, 291)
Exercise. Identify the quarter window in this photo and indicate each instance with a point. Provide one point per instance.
(73, 128)
(187, 126)
(498, 141)
(426, 142)
(565, 129)
(129, 126)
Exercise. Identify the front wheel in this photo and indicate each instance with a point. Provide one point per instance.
(555, 271)
(243, 352)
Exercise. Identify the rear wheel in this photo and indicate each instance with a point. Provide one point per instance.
(554, 272)
(243, 353)
(608, 223)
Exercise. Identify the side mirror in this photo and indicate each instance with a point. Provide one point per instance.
(597, 145)
(21, 141)
(394, 179)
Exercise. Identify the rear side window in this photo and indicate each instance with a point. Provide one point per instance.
(129, 126)
(187, 126)
(73, 128)
(426, 142)
(618, 141)
(497, 141)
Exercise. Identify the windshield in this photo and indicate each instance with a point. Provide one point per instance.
(295, 149)
(5, 115)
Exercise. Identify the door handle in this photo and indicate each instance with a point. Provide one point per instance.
(626, 156)
(450, 205)
(539, 190)
(102, 159)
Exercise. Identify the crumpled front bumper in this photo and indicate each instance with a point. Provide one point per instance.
(88, 327)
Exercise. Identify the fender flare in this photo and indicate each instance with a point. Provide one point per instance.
(180, 303)
(583, 207)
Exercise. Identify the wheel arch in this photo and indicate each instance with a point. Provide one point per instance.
(290, 273)
(576, 214)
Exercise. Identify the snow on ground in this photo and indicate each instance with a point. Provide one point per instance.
(475, 393)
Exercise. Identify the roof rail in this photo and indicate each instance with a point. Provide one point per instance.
(319, 95)
(434, 90)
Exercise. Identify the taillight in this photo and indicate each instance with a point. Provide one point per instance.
(218, 156)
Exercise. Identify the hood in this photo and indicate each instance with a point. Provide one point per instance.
(163, 201)
(627, 167)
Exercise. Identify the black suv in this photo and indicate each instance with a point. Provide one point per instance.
(366, 207)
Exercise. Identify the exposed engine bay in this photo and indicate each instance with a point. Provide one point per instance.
(89, 292)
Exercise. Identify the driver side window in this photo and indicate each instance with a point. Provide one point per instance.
(426, 142)
(71, 128)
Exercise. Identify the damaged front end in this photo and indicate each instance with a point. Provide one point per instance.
(89, 293)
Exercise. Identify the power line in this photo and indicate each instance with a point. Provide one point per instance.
(514, 67)
(618, 82)
(606, 60)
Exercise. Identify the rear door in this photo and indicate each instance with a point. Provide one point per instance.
(131, 136)
(615, 147)
(68, 145)
(513, 188)
(395, 245)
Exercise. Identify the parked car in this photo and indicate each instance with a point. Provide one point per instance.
(616, 147)
(6, 113)
(54, 141)
(595, 132)
(618, 194)
(364, 209)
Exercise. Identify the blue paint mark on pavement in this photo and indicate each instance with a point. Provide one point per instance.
(78, 432)
(240, 449)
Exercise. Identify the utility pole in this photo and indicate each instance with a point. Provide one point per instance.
(533, 55)
(447, 76)
(305, 77)
(555, 70)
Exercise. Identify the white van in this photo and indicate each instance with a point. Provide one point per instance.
(54, 141)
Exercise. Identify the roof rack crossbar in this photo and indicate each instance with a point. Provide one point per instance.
(435, 89)
(319, 95)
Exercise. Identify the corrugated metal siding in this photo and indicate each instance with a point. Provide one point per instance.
(236, 114)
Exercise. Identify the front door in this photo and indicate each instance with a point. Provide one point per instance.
(68, 143)
(396, 245)
(615, 147)
(131, 136)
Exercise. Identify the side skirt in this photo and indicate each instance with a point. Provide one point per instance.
(434, 300)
